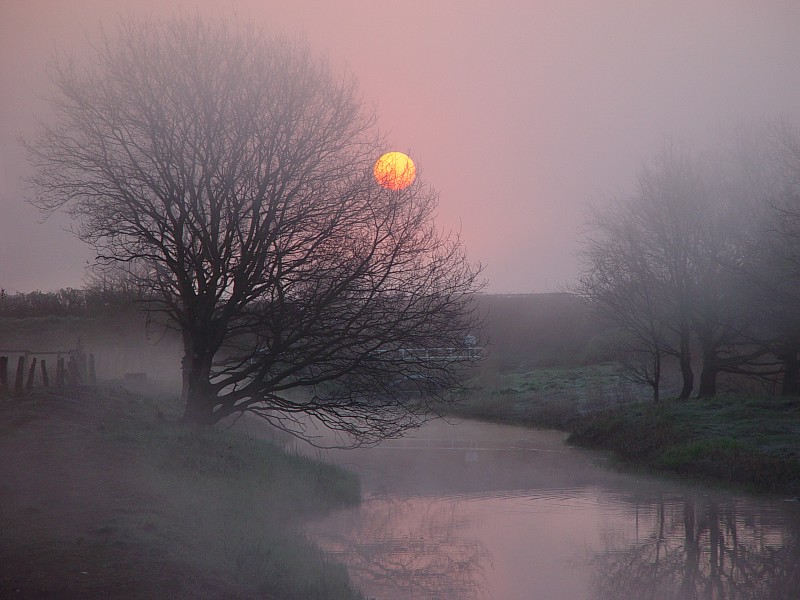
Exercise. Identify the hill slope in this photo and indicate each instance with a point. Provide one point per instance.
(101, 498)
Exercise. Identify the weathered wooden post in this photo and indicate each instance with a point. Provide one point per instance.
(73, 372)
(31, 375)
(45, 380)
(78, 357)
(20, 374)
(60, 372)
(4, 372)
(92, 372)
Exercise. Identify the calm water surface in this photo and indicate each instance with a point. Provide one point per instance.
(468, 510)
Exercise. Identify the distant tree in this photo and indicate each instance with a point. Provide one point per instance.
(233, 170)
(619, 285)
(118, 284)
(638, 265)
(773, 271)
(61, 303)
(775, 300)
(785, 248)
(666, 264)
(745, 175)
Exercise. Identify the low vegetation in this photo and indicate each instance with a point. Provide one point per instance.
(549, 397)
(104, 495)
(749, 440)
(551, 365)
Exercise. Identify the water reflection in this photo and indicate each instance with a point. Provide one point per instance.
(688, 548)
(418, 548)
(476, 511)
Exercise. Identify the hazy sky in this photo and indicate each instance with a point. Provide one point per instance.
(519, 112)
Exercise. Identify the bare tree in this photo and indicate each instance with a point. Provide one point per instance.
(744, 318)
(671, 210)
(234, 170)
(638, 266)
(772, 273)
(620, 286)
(666, 265)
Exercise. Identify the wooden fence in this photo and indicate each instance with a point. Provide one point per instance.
(72, 367)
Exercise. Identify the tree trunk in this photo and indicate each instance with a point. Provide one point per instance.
(686, 371)
(197, 391)
(656, 375)
(791, 374)
(199, 408)
(708, 374)
(708, 379)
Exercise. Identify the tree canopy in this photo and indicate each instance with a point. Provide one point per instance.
(231, 173)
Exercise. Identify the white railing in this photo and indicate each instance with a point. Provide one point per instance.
(430, 354)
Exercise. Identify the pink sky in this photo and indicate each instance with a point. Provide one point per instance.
(519, 112)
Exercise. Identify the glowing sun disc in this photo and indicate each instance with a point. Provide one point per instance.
(395, 171)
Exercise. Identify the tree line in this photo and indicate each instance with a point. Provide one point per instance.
(699, 268)
(97, 298)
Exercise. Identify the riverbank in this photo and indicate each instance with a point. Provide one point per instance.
(747, 441)
(103, 495)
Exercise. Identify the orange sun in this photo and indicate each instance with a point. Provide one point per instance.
(395, 171)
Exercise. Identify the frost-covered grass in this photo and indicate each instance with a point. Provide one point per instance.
(548, 397)
(749, 440)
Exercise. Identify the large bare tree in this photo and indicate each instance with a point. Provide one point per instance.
(232, 170)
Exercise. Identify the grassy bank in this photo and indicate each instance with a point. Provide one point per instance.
(548, 397)
(751, 441)
(104, 496)
(743, 440)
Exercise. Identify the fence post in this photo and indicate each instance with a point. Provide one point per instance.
(73, 372)
(45, 380)
(20, 374)
(31, 374)
(60, 372)
(4, 372)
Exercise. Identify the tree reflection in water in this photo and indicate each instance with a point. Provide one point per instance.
(690, 549)
(413, 548)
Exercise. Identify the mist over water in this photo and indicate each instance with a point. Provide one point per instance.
(472, 510)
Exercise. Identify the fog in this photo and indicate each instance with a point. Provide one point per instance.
(518, 113)
(120, 344)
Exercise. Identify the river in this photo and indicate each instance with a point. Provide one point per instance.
(478, 511)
